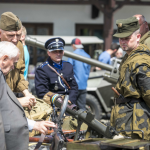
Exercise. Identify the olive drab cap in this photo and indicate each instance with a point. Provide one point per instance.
(126, 27)
(10, 22)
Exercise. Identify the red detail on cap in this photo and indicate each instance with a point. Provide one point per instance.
(77, 41)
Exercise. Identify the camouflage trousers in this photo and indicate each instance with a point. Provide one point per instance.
(132, 117)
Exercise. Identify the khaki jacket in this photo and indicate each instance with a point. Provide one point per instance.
(145, 39)
(15, 78)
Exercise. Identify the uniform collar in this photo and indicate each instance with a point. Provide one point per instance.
(55, 65)
(79, 49)
(144, 37)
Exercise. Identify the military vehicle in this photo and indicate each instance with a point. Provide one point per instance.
(99, 93)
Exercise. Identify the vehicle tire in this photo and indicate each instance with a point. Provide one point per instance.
(93, 105)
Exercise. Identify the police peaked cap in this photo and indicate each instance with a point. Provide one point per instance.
(55, 44)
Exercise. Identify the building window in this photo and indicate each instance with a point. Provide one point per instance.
(38, 55)
(90, 30)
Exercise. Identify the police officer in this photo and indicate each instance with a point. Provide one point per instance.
(47, 75)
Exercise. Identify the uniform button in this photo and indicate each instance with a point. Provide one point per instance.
(23, 115)
(70, 78)
(26, 127)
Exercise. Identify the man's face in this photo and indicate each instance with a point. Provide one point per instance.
(8, 64)
(119, 54)
(143, 26)
(129, 43)
(11, 36)
(56, 55)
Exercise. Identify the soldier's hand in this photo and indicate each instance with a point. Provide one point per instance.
(26, 102)
(33, 99)
(69, 102)
(42, 126)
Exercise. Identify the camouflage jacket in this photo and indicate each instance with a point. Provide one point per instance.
(145, 39)
(15, 78)
(134, 79)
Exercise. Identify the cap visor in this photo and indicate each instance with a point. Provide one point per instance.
(122, 35)
(79, 46)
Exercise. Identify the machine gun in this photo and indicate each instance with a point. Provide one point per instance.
(82, 116)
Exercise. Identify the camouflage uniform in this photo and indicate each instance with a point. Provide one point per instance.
(134, 82)
(145, 39)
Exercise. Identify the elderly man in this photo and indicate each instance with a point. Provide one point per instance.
(132, 110)
(144, 30)
(46, 75)
(10, 30)
(16, 125)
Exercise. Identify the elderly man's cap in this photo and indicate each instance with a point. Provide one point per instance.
(55, 44)
(126, 27)
(10, 22)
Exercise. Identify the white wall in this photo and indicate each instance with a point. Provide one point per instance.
(64, 17)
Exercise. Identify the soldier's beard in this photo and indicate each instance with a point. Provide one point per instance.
(124, 47)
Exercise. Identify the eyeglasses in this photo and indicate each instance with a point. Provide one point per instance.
(142, 23)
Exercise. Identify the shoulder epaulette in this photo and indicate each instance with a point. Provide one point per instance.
(43, 64)
(64, 61)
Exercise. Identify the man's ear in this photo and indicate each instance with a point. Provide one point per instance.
(48, 53)
(0, 33)
(147, 25)
(138, 37)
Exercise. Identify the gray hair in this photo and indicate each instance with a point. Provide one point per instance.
(9, 49)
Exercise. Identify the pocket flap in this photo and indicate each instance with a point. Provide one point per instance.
(54, 80)
(7, 127)
(69, 78)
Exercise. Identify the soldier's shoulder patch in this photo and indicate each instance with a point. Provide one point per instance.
(43, 64)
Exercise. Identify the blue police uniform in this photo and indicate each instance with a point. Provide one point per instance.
(47, 80)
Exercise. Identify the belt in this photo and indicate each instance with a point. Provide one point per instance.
(128, 99)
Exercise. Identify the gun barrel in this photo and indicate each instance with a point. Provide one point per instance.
(35, 43)
(93, 123)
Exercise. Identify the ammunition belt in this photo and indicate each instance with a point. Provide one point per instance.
(128, 100)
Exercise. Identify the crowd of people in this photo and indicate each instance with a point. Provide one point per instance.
(70, 77)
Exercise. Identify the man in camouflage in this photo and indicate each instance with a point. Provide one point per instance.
(144, 30)
(132, 112)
